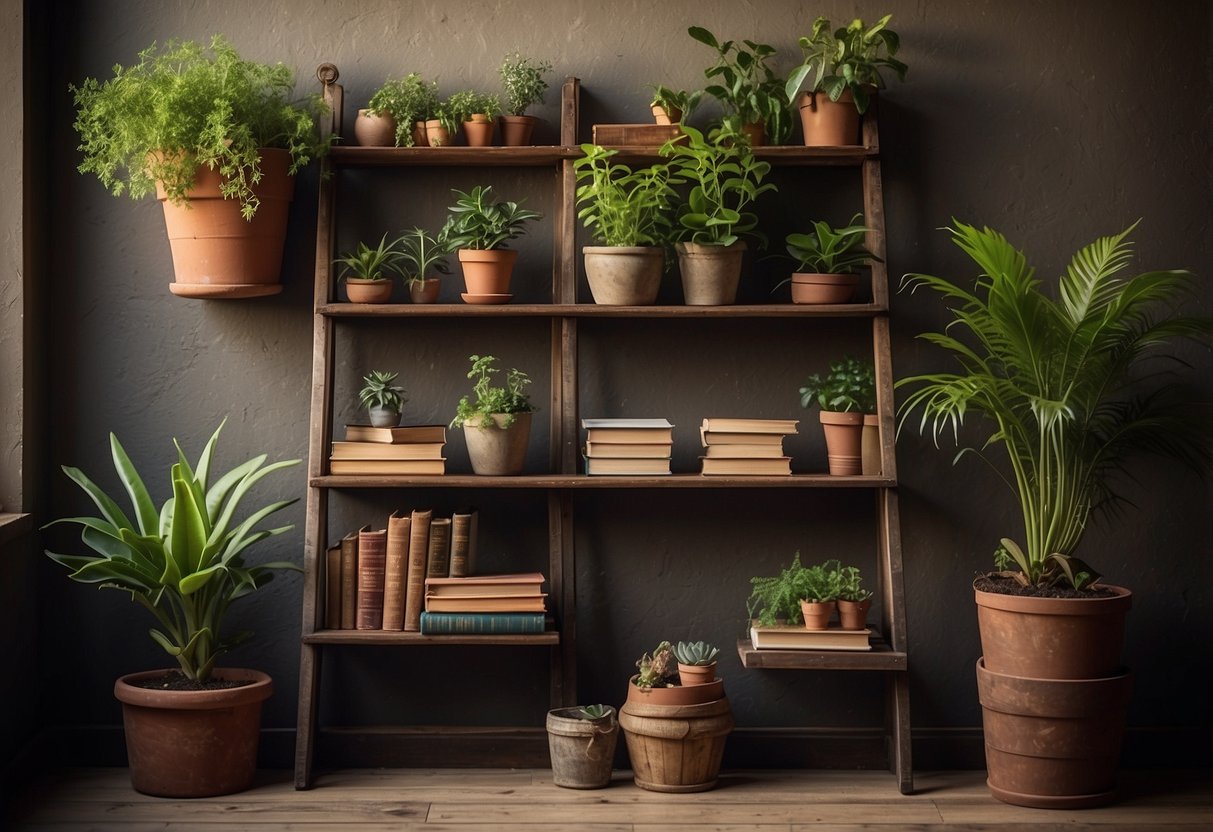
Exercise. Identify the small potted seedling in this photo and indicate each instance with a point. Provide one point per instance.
(820, 586)
(524, 86)
(671, 106)
(382, 399)
(497, 425)
(367, 272)
(696, 662)
(477, 113)
(826, 262)
(420, 255)
(853, 600)
(581, 741)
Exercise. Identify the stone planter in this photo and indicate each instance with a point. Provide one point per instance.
(497, 451)
(624, 275)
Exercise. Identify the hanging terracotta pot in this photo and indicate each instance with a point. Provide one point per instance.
(844, 441)
(516, 131)
(425, 291)
(817, 614)
(497, 451)
(710, 274)
(368, 291)
(663, 116)
(479, 130)
(435, 134)
(487, 272)
(808, 287)
(216, 252)
(624, 275)
(853, 615)
(870, 446)
(829, 123)
(377, 130)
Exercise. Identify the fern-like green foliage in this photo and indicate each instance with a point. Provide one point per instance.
(1063, 383)
(523, 81)
(407, 100)
(184, 563)
(507, 400)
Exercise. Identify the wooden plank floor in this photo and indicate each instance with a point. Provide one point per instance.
(418, 800)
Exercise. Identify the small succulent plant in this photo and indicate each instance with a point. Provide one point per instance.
(378, 391)
(695, 652)
(594, 711)
(658, 670)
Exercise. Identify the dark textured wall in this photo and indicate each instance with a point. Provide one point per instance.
(1053, 122)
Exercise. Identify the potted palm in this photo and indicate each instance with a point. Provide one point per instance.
(843, 67)
(497, 425)
(522, 79)
(581, 742)
(477, 112)
(628, 213)
(367, 272)
(382, 399)
(826, 260)
(846, 394)
(1061, 380)
(218, 139)
(478, 228)
(725, 178)
(748, 90)
(421, 255)
(190, 732)
(393, 112)
(672, 106)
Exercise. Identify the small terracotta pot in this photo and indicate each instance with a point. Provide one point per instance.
(498, 451)
(710, 274)
(436, 135)
(678, 695)
(663, 116)
(425, 291)
(479, 131)
(420, 139)
(817, 614)
(844, 442)
(756, 132)
(375, 130)
(696, 674)
(368, 291)
(870, 445)
(808, 287)
(853, 615)
(624, 275)
(829, 123)
(487, 272)
(516, 131)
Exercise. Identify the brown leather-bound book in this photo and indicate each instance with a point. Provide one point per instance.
(349, 580)
(395, 571)
(332, 588)
(438, 561)
(414, 598)
(461, 541)
(372, 557)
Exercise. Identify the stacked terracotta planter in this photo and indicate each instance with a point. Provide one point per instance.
(675, 736)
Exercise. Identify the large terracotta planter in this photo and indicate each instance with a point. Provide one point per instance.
(710, 274)
(844, 441)
(582, 750)
(216, 252)
(368, 291)
(516, 131)
(809, 287)
(497, 451)
(829, 123)
(192, 743)
(676, 696)
(676, 748)
(487, 272)
(375, 130)
(624, 275)
(479, 131)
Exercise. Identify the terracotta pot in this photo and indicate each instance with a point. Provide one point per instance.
(216, 252)
(677, 695)
(624, 275)
(368, 291)
(676, 748)
(498, 451)
(817, 614)
(479, 131)
(663, 116)
(192, 743)
(696, 674)
(755, 131)
(829, 123)
(383, 417)
(375, 130)
(582, 750)
(853, 615)
(516, 131)
(1053, 743)
(1052, 638)
(808, 287)
(487, 272)
(420, 139)
(710, 274)
(425, 291)
(870, 446)
(435, 134)
(844, 441)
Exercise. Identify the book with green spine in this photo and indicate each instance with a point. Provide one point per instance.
(480, 623)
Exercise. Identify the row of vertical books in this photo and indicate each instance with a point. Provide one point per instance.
(404, 450)
(642, 447)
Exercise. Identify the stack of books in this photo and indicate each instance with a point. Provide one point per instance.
(621, 447)
(796, 637)
(410, 449)
(746, 446)
(495, 604)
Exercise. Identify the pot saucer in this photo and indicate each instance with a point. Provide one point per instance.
(485, 299)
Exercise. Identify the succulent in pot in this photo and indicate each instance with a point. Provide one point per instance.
(477, 113)
(382, 399)
(421, 255)
(497, 424)
(747, 88)
(581, 743)
(826, 259)
(403, 103)
(846, 394)
(524, 84)
(696, 662)
(672, 106)
(478, 228)
(367, 272)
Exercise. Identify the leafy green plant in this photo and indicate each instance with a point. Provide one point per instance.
(747, 89)
(366, 263)
(778, 596)
(478, 221)
(447, 117)
(523, 82)
(1063, 383)
(508, 400)
(420, 253)
(466, 103)
(186, 105)
(594, 711)
(659, 669)
(623, 207)
(378, 391)
(725, 178)
(184, 562)
(821, 583)
(696, 653)
(850, 586)
(847, 58)
(828, 250)
(407, 100)
(672, 100)
(850, 386)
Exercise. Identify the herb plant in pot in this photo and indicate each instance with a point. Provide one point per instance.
(748, 90)
(421, 255)
(843, 69)
(672, 106)
(820, 586)
(192, 732)
(478, 227)
(391, 115)
(581, 742)
(382, 399)
(477, 112)
(218, 139)
(441, 125)
(522, 79)
(826, 261)
(628, 212)
(696, 662)
(725, 179)
(367, 272)
(846, 394)
(497, 425)
(853, 600)
(1068, 386)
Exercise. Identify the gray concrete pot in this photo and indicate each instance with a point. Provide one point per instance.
(497, 451)
(383, 417)
(624, 275)
(710, 274)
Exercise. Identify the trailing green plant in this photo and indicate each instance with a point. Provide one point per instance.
(523, 81)
(478, 221)
(184, 562)
(185, 105)
(1062, 379)
(747, 89)
(698, 653)
(828, 250)
(466, 103)
(623, 207)
(419, 253)
(778, 596)
(672, 100)
(366, 263)
(593, 712)
(658, 670)
(851, 57)
(509, 400)
(851, 585)
(725, 179)
(378, 391)
(850, 386)
(821, 583)
(407, 100)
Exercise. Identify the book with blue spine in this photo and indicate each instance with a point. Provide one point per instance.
(481, 623)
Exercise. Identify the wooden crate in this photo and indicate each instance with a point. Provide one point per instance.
(635, 135)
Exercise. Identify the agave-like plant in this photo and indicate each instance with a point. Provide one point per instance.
(185, 562)
(1059, 378)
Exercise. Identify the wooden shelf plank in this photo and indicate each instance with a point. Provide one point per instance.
(779, 156)
(578, 481)
(880, 657)
(592, 310)
(411, 639)
(450, 156)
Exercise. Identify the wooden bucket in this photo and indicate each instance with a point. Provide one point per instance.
(676, 748)
(582, 750)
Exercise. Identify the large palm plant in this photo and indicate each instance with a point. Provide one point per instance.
(1057, 376)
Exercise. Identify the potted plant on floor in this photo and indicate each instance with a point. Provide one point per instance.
(843, 68)
(393, 112)
(725, 179)
(420, 256)
(1063, 381)
(628, 213)
(497, 425)
(382, 399)
(478, 228)
(672, 106)
(853, 600)
(846, 394)
(192, 732)
(219, 140)
(696, 662)
(581, 743)
(477, 112)
(748, 90)
(826, 260)
(522, 79)
(367, 272)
